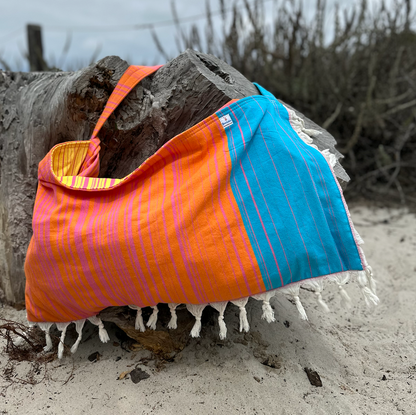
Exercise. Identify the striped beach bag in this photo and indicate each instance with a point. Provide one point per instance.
(240, 205)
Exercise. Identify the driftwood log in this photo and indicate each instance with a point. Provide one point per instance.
(40, 110)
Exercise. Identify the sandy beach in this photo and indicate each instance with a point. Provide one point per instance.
(366, 358)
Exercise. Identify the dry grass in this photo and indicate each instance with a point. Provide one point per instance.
(358, 82)
(24, 344)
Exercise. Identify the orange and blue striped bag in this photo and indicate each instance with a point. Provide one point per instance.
(240, 205)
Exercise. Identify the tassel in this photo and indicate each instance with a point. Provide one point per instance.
(46, 327)
(311, 132)
(241, 304)
(369, 297)
(370, 279)
(102, 332)
(268, 313)
(321, 302)
(318, 285)
(345, 298)
(153, 318)
(220, 307)
(341, 280)
(173, 323)
(79, 324)
(293, 291)
(330, 158)
(300, 308)
(138, 324)
(196, 310)
(62, 327)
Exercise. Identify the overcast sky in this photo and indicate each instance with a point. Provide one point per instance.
(107, 25)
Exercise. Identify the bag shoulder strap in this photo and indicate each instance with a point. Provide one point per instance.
(127, 82)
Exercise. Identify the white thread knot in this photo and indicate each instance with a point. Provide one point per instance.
(48, 339)
(196, 310)
(345, 298)
(102, 333)
(173, 323)
(223, 327)
(153, 318)
(79, 324)
(300, 308)
(321, 302)
(244, 326)
(268, 313)
(369, 296)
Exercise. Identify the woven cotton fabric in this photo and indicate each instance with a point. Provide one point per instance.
(236, 206)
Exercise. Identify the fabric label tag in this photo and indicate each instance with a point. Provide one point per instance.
(226, 121)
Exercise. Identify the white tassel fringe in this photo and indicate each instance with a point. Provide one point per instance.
(369, 296)
(62, 327)
(46, 327)
(153, 318)
(371, 280)
(341, 280)
(220, 307)
(138, 324)
(79, 325)
(268, 313)
(196, 310)
(102, 332)
(364, 278)
(173, 322)
(241, 304)
(293, 291)
(318, 286)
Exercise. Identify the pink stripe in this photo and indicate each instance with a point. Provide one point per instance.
(222, 208)
(115, 249)
(262, 224)
(328, 200)
(241, 201)
(41, 232)
(166, 231)
(61, 231)
(216, 217)
(201, 254)
(31, 305)
(102, 253)
(179, 235)
(96, 252)
(128, 234)
(183, 184)
(108, 222)
(176, 218)
(55, 280)
(152, 245)
(231, 200)
(70, 249)
(80, 250)
(287, 199)
(294, 164)
(264, 199)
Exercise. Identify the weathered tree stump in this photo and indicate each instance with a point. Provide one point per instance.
(40, 110)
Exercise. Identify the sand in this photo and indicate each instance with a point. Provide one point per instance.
(366, 359)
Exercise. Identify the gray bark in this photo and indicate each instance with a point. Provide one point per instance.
(40, 110)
